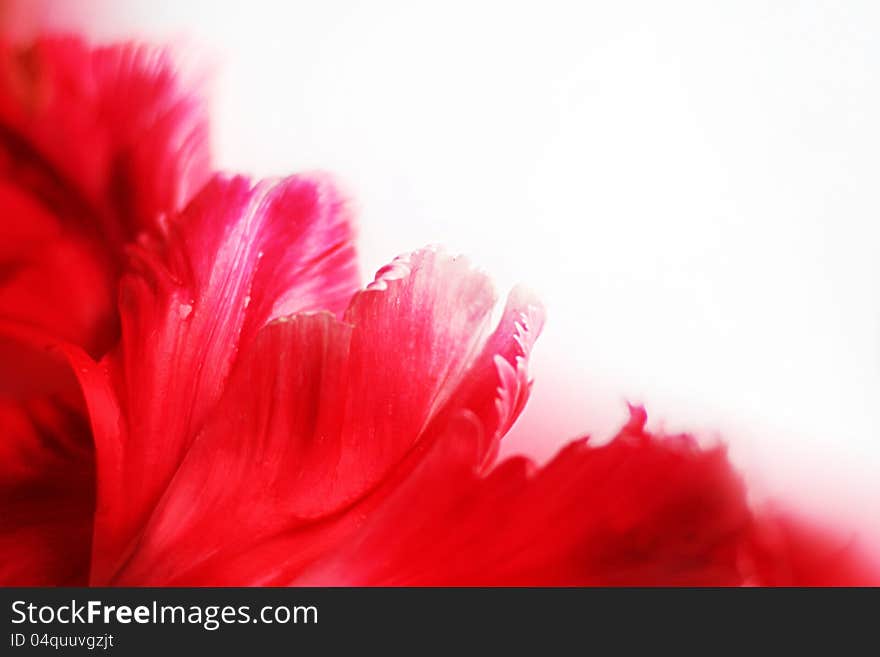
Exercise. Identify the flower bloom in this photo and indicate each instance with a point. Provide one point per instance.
(261, 421)
(95, 146)
(258, 424)
(350, 439)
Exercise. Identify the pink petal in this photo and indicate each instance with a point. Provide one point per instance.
(238, 256)
(320, 412)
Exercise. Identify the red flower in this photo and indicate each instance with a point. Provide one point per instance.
(244, 438)
(260, 422)
(95, 146)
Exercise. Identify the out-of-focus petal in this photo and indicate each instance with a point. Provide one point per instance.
(52, 278)
(236, 258)
(47, 487)
(641, 510)
(788, 551)
(95, 145)
(107, 132)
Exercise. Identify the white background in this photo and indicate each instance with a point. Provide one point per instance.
(691, 187)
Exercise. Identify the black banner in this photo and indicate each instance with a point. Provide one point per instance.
(418, 621)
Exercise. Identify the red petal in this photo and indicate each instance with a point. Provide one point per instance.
(786, 551)
(497, 386)
(47, 488)
(52, 278)
(641, 510)
(108, 133)
(94, 146)
(319, 412)
(237, 257)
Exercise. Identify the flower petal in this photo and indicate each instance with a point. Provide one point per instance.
(52, 279)
(47, 487)
(109, 133)
(319, 412)
(238, 256)
(641, 510)
(497, 386)
(95, 145)
(788, 551)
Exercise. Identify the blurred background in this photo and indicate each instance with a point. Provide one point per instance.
(691, 188)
